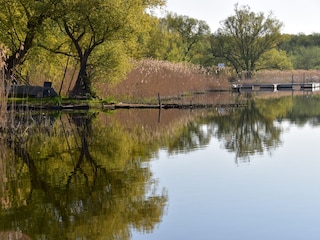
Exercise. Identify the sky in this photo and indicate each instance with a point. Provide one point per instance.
(296, 16)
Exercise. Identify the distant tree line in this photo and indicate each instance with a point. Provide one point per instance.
(99, 37)
(303, 50)
(247, 42)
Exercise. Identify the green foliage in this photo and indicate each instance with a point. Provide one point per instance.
(99, 38)
(21, 21)
(44, 65)
(274, 59)
(109, 62)
(190, 32)
(160, 43)
(244, 37)
(12, 24)
(84, 30)
(303, 50)
(90, 24)
(306, 57)
(300, 40)
(179, 39)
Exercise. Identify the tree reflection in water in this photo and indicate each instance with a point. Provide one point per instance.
(84, 175)
(58, 180)
(247, 131)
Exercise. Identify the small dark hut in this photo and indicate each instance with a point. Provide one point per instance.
(33, 91)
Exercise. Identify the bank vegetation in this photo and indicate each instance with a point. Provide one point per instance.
(133, 54)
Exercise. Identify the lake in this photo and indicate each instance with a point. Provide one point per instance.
(239, 171)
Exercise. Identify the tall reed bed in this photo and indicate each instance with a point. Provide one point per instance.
(286, 76)
(3, 92)
(4, 200)
(150, 77)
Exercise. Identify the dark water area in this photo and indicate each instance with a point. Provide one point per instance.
(246, 172)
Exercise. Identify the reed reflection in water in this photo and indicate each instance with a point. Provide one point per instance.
(90, 176)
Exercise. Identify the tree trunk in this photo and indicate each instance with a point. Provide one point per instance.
(82, 86)
(248, 75)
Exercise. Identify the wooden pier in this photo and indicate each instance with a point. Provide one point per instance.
(274, 87)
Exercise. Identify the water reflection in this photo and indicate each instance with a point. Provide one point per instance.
(247, 131)
(75, 179)
(250, 129)
(86, 175)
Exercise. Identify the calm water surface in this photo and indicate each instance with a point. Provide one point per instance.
(272, 196)
(250, 172)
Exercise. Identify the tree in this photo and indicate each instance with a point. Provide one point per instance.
(159, 43)
(274, 59)
(244, 37)
(306, 57)
(20, 22)
(191, 33)
(98, 34)
(94, 25)
(303, 50)
(177, 38)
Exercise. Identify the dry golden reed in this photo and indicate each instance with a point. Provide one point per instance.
(3, 86)
(280, 76)
(150, 77)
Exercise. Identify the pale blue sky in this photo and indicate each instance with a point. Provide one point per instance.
(297, 16)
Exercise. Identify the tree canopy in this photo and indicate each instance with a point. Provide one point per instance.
(244, 37)
(20, 23)
(303, 50)
(191, 33)
(179, 38)
(83, 30)
(97, 40)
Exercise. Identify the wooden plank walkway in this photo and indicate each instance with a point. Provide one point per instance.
(274, 87)
(170, 106)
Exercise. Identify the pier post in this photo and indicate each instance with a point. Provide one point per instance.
(159, 100)
(275, 87)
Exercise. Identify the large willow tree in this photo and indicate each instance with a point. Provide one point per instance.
(244, 37)
(99, 34)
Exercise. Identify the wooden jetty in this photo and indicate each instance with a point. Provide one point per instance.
(274, 87)
(170, 106)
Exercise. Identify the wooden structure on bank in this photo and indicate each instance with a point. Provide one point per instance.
(26, 91)
(274, 87)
